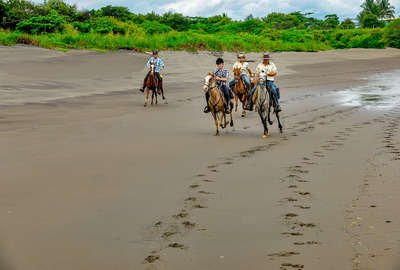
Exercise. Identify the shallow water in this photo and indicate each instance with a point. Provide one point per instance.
(381, 92)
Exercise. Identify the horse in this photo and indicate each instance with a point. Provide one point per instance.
(239, 89)
(155, 86)
(216, 104)
(151, 84)
(264, 103)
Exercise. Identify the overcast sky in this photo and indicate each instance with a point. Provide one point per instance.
(237, 9)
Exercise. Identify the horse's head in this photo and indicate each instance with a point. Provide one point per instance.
(210, 82)
(152, 68)
(236, 73)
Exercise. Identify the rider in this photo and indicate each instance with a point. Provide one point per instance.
(268, 69)
(158, 65)
(221, 75)
(244, 71)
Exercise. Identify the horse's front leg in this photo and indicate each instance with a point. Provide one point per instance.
(244, 105)
(236, 102)
(152, 97)
(147, 97)
(269, 114)
(216, 122)
(221, 119)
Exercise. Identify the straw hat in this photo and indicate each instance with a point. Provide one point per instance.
(266, 55)
(241, 55)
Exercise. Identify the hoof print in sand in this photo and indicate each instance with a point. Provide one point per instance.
(291, 215)
(284, 254)
(302, 207)
(182, 214)
(306, 225)
(168, 234)
(158, 224)
(191, 199)
(291, 199)
(194, 186)
(199, 206)
(291, 265)
(152, 258)
(304, 193)
(205, 192)
(292, 233)
(176, 245)
(188, 224)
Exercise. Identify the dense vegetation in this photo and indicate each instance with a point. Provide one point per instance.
(55, 24)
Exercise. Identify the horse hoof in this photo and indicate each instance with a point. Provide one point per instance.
(236, 112)
(145, 105)
(265, 136)
(231, 124)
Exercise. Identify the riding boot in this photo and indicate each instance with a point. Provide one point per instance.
(144, 86)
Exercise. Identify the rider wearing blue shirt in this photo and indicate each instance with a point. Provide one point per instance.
(158, 63)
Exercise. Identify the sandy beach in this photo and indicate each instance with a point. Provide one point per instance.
(93, 180)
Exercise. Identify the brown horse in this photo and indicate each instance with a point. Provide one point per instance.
(216, 104)
(240, 90)
(153, 84)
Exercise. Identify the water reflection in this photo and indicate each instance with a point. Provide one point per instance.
(381, 92)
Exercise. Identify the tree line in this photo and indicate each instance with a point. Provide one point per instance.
(52, 15)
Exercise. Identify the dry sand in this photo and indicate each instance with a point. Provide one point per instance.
(93, 180)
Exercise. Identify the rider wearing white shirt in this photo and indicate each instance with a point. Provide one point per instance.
(269, 70)
(245, 71)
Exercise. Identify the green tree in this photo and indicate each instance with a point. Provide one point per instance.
(43, 24)
(62, 8)
(347, 24)
(380, 8)
(369, 20)
(120, 13)
(331, 21)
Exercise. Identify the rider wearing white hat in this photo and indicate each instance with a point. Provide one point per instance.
(269, 70)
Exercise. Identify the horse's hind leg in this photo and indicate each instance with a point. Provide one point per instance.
(221, 119)
(231, 122)
(279, 122)
(156, 97)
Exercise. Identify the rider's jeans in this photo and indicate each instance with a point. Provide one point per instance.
(244, 77)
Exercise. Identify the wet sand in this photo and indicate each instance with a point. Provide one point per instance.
(93, 180)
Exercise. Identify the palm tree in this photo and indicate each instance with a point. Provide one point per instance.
(386, 9)
(381, 8)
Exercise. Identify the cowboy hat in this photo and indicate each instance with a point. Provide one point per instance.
(266, 55)
(241, 55)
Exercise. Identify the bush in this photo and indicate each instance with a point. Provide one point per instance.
(392, 34)
(153, 27)
(43, 24)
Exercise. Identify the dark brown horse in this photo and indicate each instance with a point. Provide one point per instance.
(239, 89)
(155, 86)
